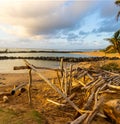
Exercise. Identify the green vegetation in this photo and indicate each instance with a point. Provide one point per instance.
(115, 43)
(35, 115)
(117, 2)
(9, 116)
(111, 67)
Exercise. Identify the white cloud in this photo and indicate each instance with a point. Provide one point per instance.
(41, 17)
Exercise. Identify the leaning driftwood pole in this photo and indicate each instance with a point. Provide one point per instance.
(29, 86)
(54, 87)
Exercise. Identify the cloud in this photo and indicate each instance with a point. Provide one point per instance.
(41, 17)
(107, 25)
(72, 37)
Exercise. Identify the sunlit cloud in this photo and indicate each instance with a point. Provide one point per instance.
(61, 23)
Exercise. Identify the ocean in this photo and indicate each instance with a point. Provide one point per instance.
(6, 66)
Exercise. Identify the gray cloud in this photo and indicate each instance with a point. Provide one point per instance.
(107, 25)
(43, 17)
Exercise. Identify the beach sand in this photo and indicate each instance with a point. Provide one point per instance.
(40, 92)
(100, 54)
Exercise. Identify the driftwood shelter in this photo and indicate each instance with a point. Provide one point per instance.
(96, 84)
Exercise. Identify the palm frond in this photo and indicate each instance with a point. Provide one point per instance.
(118, 14)
(117, 2)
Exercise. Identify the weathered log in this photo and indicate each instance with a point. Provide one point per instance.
(112, 110)
(80, 119)
(113, 87)
(44, 68)
(20, 67)
(17, 88)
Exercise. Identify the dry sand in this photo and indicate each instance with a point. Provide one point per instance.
(100, 54)
(40, 92)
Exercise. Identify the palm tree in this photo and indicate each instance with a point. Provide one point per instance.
(117, 2)
(115, 43)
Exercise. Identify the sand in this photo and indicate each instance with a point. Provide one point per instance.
(40, 92)
(100, 54)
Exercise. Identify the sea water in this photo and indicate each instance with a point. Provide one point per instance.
(6, 66)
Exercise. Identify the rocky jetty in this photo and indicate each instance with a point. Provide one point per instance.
(66, 59)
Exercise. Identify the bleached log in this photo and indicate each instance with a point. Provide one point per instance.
(113, 87)
(112, 73)
(109, 91)
(56, 103)
(80, 119)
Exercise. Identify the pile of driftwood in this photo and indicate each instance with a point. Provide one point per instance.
(94, 82)
(102, 83)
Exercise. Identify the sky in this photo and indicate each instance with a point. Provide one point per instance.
(57, 24)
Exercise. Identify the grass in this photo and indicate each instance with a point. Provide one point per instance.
(9, 116)
(111, 67)
(35, 115)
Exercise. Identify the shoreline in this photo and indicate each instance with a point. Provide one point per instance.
(99, 54)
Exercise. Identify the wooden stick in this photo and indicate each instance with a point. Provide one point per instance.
(70, 80)
(113, 87)
(54, 87)
(58, 78)
(26, 67)
(70, 97)
(29, 86)
(94, 112)
(20, 67)
(56, 103)
(66, 87)
(80, 119)
(61, 66)
(81, 83)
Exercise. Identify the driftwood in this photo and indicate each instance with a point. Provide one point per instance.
(44, 68)
(93, 82)
(18, 88)
(5, 93)
(112, 110)
(29, 86)
(70, 97)
(56, 103)
(113, 87)
(54, 87)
